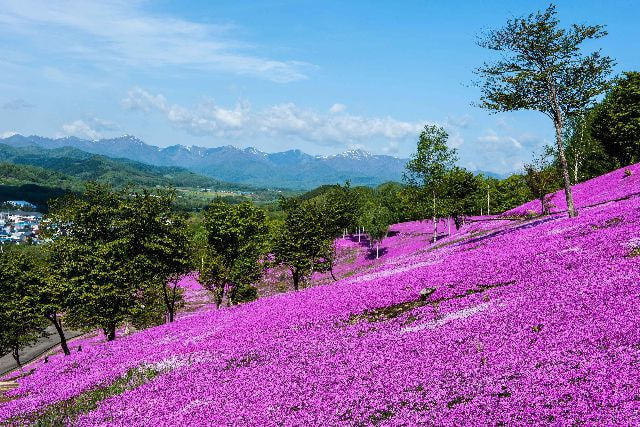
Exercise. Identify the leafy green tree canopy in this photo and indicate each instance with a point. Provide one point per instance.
(616, 120)
(109, 250)
(302, 242)
(543, 68)
(429, 164)
(20, 320)
(237, 243)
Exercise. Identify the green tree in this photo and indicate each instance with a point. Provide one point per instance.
(50, 292)
(107, 250)
(461, 189)
(542, 179)
(427, 167)
(21, 321)
(511, 192)
(341, 209)
(237, 244)
(165, 246)
(616, 121)
(543, 69)
(377, 221)
(586, 156)
(301, 242)
(388, 194)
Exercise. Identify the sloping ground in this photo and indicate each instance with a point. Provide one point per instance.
(525, 322)
(615, 185)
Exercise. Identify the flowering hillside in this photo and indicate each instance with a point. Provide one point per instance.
(614, 185)
(521, 322)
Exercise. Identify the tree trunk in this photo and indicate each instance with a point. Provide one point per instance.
(172, 305)
(435, 225)
(110, 332)
(576, 156)
(53, 318)
(167, 303)
(457, 221)
(15, 352)
(296, 281)
(565, 169)
(219, 296)
(377, 250)
(449, 224)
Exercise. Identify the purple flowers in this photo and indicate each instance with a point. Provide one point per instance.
(531, 322)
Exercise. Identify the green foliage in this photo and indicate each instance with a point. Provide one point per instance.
(543, 68)
(244, 293)
(67, 412)
(14, 174)
(509, 193)
(541, 178)
(340, 209)
(39, 195)
(302, 241)
(432, 159)
(388, 195)
(113, 250)
(428, 167)
(236, 244)
(616, 120)
(461, 191)
(22, 323)
(586, 156)
(376, 220)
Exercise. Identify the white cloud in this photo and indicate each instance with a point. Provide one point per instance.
(281, 120)
(91, 128)
(505, 153)
(337, 108)
(113, 34)
(81, 129)
(497, 141)
(138, 99)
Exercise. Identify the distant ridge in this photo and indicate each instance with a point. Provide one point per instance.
(288, 169)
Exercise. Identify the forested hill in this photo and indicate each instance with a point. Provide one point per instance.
(73, 165)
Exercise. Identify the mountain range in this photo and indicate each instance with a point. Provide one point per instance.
(291, 169)
(77, 165)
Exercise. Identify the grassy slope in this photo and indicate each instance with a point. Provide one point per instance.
(527, 322)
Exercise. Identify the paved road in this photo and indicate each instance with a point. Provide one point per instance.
(42, 346)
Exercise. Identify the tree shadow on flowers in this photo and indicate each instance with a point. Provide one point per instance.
(372, 253)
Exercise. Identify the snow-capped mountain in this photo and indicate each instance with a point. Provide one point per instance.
(287, 169)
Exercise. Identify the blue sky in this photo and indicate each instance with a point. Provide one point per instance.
(324, 77)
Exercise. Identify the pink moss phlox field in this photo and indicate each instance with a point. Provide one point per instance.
(532, 322)
(611, 186)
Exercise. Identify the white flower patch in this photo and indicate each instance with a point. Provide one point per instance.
(460, 314)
